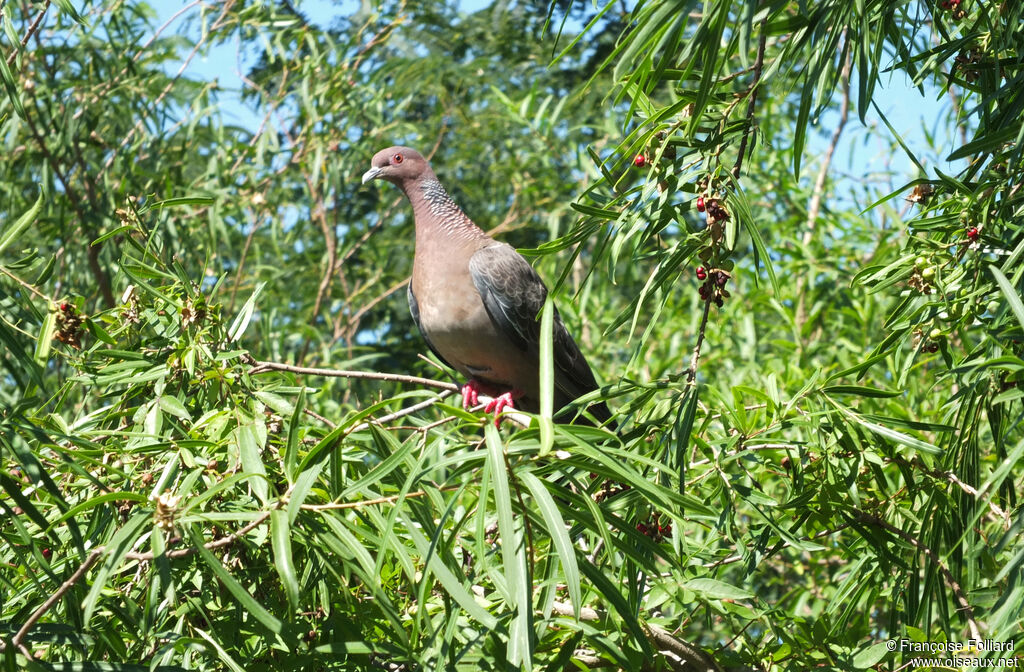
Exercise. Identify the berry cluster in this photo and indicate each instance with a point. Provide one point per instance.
(713, 208)
(69, 326)
(921, 279)
(949, 4)
(713, 288)
(967, 61)
(130, 311)
(193, 312)
(931, 342)
(608, 489)
(654, 529)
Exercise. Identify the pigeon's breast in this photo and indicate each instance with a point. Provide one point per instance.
(453, 318)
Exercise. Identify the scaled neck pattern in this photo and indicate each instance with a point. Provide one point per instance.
(434, 205)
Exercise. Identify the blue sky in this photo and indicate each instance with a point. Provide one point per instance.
(859, 154)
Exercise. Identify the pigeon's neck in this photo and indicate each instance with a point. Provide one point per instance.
(437, 215)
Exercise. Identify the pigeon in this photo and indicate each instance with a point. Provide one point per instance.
(476, 301)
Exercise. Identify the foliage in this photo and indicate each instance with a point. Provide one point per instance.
(211, 460)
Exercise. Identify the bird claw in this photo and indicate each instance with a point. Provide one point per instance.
(470, 394)
(500, 403)
(470, 399)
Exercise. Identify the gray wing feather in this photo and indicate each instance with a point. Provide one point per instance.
(513, 295)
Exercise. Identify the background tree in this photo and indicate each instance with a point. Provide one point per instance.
(213, 457)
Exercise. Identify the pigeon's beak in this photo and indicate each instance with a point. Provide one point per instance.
(371, 174)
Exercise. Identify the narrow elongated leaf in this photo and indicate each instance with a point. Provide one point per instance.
(10, 235)
(559, 537)
(251, 606)
(547, 378)
(114, 551)
(242, 320)
(280, 535)
(250, 452)
(513, 558)
(1010, 293)
(448, 580)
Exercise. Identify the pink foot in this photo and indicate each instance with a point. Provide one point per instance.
(470, 392)
(501, 402)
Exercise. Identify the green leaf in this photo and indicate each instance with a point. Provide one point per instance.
(114, 551)
(45, 339)
(12, 92)
(242, 320)
(451, 583)
(175, 202)
(893, 435)
(280, 531)
(859, 391)
(555, 526)
(251, 453)
(513, 555)
(69, 9)
(547, 377)
(223, 655)
(1010, 293)
(868, 657)
(291, 450)
(714, 589)
(171, 404)
(8, 237)
(245, 600)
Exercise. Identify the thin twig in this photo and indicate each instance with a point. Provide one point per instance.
(691, 373)
(958, 592)
(167, 89)
(319, 417)
(96, 554)
(814, 207)
(29, 33)
(24, 284)
(758, 67)
(334, 506)
(263, 367)
(241, 261)
(819, 183)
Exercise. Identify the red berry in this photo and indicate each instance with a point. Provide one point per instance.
(701, 273)
(639, 161)
(972, 233)
(47, 553)
(700, 204)
(63, 306)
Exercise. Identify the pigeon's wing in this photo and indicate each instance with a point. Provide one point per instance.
(513, 295)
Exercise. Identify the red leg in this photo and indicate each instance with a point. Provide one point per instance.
(501, 402)
(470, 392)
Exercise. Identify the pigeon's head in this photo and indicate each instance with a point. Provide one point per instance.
(399, 165)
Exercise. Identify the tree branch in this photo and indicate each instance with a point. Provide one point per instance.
(965, 606)
(263, 367)
(30, 32)
(814, 207)
(751, 103)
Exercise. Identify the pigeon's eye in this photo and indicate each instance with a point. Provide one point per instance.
(397, 158)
